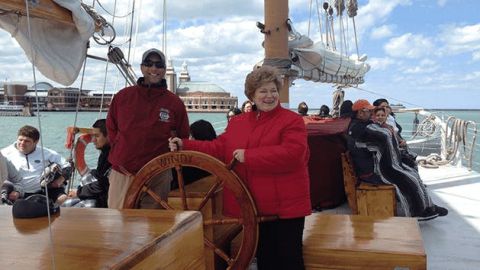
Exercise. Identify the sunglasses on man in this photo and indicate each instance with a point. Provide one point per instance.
(158, 64)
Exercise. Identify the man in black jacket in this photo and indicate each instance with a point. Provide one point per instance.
(98, 189)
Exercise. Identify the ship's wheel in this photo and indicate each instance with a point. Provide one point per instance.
(224, 178)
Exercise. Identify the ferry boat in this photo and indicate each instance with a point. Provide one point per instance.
(15, 110)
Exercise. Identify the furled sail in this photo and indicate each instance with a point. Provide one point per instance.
(321, 62)
(58, 50)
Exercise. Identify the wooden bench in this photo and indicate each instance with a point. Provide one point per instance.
(367, 199)
(362, 242)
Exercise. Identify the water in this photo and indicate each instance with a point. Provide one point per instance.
(53, 128)
(54, 124)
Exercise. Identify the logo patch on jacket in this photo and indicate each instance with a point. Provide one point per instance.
(164, 115)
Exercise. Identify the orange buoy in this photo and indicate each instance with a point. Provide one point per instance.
(70, 137)
(79, 153)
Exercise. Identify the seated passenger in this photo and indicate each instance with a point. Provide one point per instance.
(247, 106)
(383, 103)
(376, 159)
(28, 171)
(346, 109)
(232, 112)
(303, 109)
(409, 158)
(97, 188)
(3, 168)
(7, 172)
(380, 117)
(324, 111)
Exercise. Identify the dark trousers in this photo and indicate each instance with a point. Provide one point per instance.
(280, 244)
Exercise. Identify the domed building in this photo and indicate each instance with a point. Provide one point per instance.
(199, 96)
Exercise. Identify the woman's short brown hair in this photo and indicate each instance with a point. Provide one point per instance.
(259, 77)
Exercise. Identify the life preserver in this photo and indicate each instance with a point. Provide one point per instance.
(79, 153)
(70, 137)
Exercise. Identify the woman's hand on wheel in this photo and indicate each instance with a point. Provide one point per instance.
(239, 154)
(175, 144)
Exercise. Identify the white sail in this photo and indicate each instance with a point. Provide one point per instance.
(317, 62)
(58, 49)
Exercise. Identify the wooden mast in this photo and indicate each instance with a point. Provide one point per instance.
(276, 39)
(45, 9)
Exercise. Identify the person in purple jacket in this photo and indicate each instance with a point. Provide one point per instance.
(270, 143)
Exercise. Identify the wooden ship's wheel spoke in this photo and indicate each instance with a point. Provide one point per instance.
(181, 186)
(209, 195)
(219, 231)
(157, 198)
(223, 221)
(219, 252)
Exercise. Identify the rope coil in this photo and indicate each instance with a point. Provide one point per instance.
(453, 139)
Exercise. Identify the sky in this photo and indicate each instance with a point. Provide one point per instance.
(423, 53)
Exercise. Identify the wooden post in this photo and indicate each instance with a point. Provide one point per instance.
(276, 39)
(45, 9)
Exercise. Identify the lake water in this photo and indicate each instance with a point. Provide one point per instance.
(53, 128)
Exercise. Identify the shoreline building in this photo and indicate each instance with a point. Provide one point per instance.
(198, 96)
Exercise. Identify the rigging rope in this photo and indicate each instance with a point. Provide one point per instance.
(100, 26)
(339, 6)
(426, 128)
(352, 7)
(52, 247)
(338, 96)
(114, 13)
(309, 18)
(164, 30)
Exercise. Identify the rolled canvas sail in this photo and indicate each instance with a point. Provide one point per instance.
(58, 50)
(320, 63)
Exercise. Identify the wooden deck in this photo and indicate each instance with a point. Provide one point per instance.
(362, 242)
(103, 239)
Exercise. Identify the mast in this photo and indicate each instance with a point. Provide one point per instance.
(276, 40)
(45, 9)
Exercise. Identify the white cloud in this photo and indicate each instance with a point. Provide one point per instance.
(409, 46)
(442, 3)
(472, 76)
(425, 66)
(461, 39)
(476, 56)
(381, 63)
(375, 12)
(382, 32)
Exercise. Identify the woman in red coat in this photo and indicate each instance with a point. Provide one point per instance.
(270, 143)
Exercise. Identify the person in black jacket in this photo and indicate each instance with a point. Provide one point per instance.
(98, 189)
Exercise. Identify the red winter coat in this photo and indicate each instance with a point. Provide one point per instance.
(139, 122)
(276, 158)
